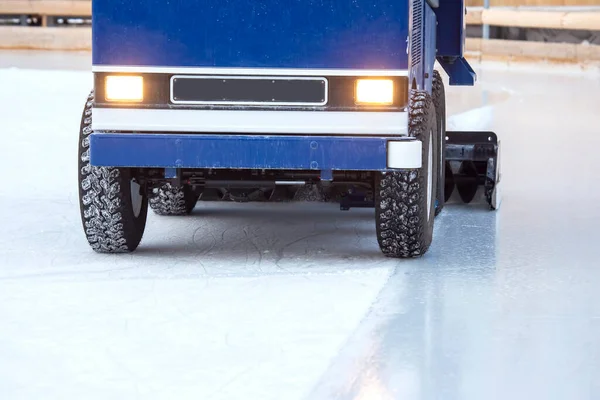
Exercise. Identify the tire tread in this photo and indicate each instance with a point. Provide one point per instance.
(402, 226)
(172, 200)
(439, 102)
(107, 224)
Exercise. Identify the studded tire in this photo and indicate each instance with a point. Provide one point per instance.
(404, 199)
(172, 200)
(439, 101)
(113, 205)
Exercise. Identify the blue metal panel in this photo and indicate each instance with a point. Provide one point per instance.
(238, 151)
(358, 34)
(430, 47)
(451, 28)
(451, 41)
(422, 46)
(459, 71)
(416, 43)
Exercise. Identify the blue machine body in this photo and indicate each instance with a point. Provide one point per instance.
(450, 28)
(256, 34)
(422, 44)
(357, 34)
(450, 42)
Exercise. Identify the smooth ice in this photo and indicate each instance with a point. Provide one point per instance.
(279, 301)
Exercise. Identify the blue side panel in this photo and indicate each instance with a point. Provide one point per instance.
(416, 43)
(459, 71)
(238, 151)
(422, 44)
(353, 34)
(450, 28)
(451, 42)
(430, 47)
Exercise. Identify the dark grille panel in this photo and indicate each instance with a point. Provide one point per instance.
(417, 31)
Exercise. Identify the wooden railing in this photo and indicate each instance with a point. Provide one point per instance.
(587, 19)
(64, 25)
(46, 7)
(533, 3)
(45, 24)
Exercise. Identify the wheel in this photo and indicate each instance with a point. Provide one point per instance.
(172, 200)
(405, 199)
(113, 204)
(439, 101)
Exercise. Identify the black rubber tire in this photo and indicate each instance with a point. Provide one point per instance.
(403, 216)
(105, 198)
(171, 200)
(439, 101)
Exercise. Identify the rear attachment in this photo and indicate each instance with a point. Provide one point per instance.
(473, 163)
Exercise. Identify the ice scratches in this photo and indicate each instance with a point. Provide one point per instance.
(231, 240)
(262, 240)
(199, 232)
(169, 200)
(231, 381)
(100, 198)
(258, 251)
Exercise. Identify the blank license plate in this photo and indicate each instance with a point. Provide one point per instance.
(248, 90)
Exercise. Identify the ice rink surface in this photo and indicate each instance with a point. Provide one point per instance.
(280, 301)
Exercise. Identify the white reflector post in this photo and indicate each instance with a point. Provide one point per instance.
(404, 154)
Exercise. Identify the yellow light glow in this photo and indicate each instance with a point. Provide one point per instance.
(375, 91)
(124, 88)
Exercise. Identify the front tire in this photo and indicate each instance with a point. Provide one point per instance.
(405, 199)
(439, 102)
(172, 200)
(113, 205)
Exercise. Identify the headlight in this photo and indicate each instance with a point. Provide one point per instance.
(375, 91)
(124, 88)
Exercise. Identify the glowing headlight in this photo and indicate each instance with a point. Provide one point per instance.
(375, 91)
(124, 88)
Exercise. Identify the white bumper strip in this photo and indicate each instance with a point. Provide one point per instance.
(234, 121)
(405, 154)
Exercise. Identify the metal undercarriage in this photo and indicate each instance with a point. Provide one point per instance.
(472, 163)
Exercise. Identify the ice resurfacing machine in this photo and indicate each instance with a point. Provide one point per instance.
(277, 100)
